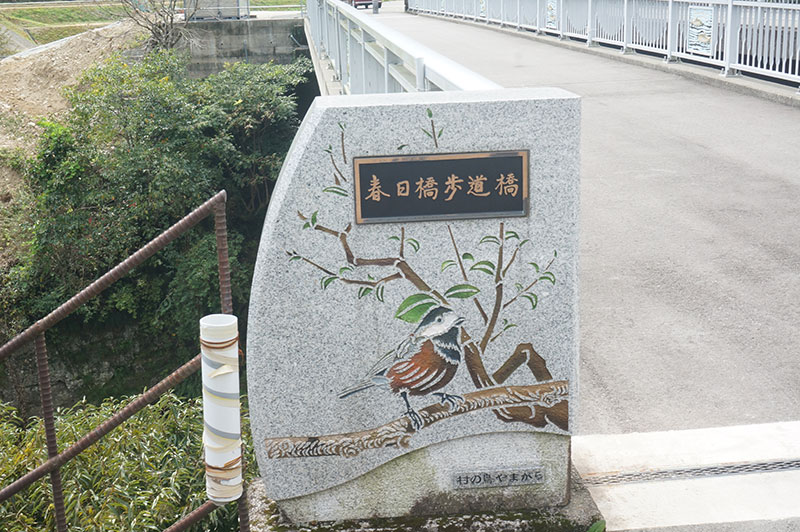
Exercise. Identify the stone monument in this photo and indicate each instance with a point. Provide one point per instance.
(412, 343)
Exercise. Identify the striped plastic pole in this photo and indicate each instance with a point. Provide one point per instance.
(222, 436)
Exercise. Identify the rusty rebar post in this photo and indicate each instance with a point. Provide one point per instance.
(194, 517)
(241, 504)
(226, 304)
(221, 230)
(46, 395)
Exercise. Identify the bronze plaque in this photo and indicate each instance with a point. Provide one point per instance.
(441, 187)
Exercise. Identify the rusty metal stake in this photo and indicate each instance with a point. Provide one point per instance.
(221, 230)
(46, 395)
(226, 303)
(241, 504)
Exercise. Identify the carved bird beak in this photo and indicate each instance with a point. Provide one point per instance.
(459, 321)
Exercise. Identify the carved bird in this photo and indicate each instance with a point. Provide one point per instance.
(421, 364)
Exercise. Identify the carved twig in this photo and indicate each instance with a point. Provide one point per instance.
(336, 168)
(399, 432)
(498, 293)
(513, 257)
(547, 268)
(344, 157)
(464, 275)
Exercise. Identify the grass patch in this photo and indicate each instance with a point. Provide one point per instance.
(46, 34)
(275, 3)
(64, 15)
(48, 24)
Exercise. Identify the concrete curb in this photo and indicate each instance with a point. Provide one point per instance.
(774, 92)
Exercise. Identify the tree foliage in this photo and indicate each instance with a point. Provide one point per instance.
(144, 475)
(141, 146)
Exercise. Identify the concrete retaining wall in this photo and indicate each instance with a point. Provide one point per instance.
(217, 42)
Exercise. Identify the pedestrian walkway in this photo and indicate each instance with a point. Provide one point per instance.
(690, 266)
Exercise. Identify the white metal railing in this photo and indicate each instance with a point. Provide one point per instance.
(760, 37)
(368, 57)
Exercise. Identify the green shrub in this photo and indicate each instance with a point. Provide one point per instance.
(140, 147)
(144, 475)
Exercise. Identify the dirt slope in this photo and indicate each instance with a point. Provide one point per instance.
(31, 82)
(31, 87)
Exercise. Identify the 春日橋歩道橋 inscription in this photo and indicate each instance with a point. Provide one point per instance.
(441, 186)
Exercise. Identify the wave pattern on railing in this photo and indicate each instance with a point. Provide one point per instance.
(369, 58)
(759, 37)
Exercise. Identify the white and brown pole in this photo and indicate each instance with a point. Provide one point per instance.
(222, 434)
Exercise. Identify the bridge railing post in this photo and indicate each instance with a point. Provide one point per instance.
(419, 67)
(538, 16)
(337, 30)
(323, 22)
(731, 50)
(590, 9)
(627, 15)
(385, 70)
(672, 31)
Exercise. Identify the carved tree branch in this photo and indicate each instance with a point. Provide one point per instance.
(538, 417)
(464, 275)
(399, 431)
(398, 262)
(523, 354)
(346, 280)
(474, 362)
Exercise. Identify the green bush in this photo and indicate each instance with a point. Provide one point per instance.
(144, 475)
(141, 146)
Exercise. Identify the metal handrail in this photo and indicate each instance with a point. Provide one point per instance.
(400, 58)
(215, 205)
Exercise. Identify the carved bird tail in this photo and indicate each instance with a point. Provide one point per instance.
(354, 389)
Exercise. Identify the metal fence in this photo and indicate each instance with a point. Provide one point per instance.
(368, 57)
(759, 37)
(36, 333)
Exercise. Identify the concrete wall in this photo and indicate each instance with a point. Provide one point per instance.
(217, 42)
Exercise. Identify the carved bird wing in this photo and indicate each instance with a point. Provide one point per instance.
(404, 350)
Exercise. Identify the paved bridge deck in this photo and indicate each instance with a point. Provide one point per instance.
(690, 256)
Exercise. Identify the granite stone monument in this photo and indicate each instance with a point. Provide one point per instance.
(412, 342)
